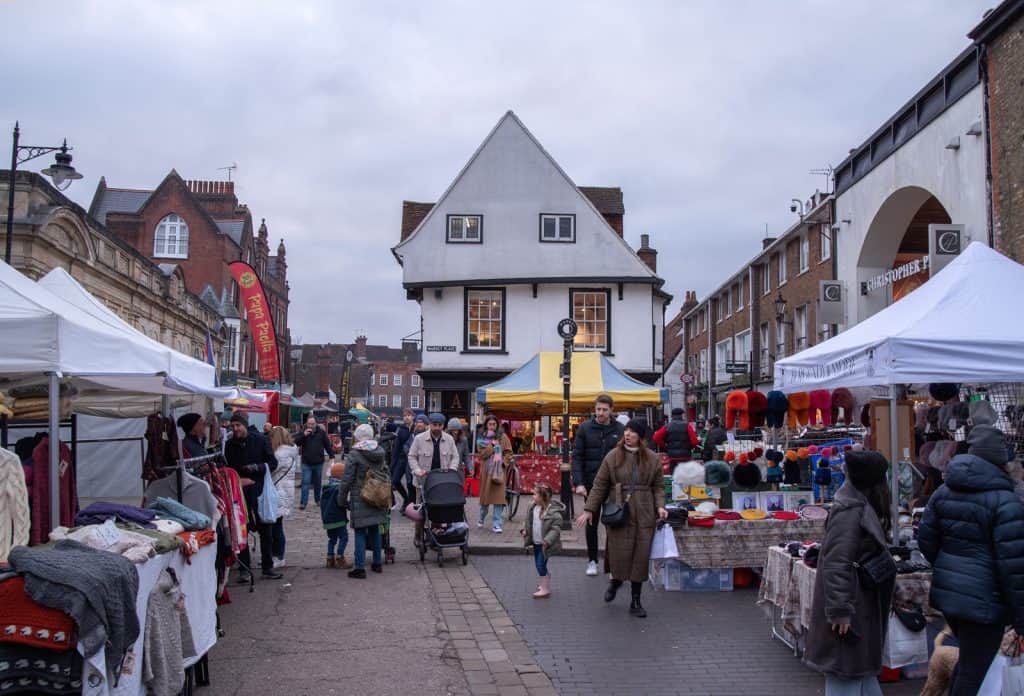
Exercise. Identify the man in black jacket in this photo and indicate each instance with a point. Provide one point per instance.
(248, 453)
(594, 439)
(400, 458)
(316, 447)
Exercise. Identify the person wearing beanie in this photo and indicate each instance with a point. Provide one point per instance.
(629, 469)
(315, 445)
(849, 616)
(458, 434)
(334, 518)
(716, 436)
(677, 438)
(249, 454)
(595, 438)
(194, 427)
(973, 535)
(365, 459)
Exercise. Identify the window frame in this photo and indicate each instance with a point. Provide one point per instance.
(396, 401)
(721, 376)
(382, 379)
(780, 339)
(557, 217)
(414, 381)
(804, 253)
(765, 357)
(397, 379)
(181, 235)
(748, 337)
(766, 278)
(466, 348)
(448, 228)
(703, 366)
(414, 401)
(824, 244)
(739, 298)
(782, 270)
(800, 342)
(607, 292)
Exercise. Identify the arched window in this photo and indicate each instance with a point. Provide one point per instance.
(171, 238)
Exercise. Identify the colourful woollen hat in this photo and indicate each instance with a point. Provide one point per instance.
(785, 515)
(754, 514)
(717, 473)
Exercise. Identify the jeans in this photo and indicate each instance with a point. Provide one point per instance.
(266, 558)
(361, 537)
(539, 560)
(311, 474)
(979, 643)
(337, 537)
(399, 484)
(496, 512)
(591, 533)
(277, 538)
(865, 686)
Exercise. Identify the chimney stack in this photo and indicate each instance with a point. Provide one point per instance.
(690, 301)
(647, 253)
(360, 350)
(767, 242)
(323, 364)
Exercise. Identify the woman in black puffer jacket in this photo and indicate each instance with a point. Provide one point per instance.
(973, 535)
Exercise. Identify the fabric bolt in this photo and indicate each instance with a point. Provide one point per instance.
(15, 516)
(26, 622)
(168, 639)
(171, 509)
(195, 493)
(26, 670)
(98, 589)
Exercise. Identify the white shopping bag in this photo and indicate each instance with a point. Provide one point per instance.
(902, 646)
(664, 544)
(1013, 677)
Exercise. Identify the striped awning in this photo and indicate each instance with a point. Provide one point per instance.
(535, 389)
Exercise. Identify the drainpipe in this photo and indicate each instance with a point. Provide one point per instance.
(983, 64)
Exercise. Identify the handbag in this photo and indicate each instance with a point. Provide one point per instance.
(498, 470)
(267, 504)
(376, 491)
(912, 619)
(876, 571)
(616, 515)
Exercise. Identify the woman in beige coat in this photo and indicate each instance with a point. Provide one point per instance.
(629, 473)
(493, 456)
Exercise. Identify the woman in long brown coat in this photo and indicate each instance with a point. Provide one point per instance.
(493, 456)
(629, 473)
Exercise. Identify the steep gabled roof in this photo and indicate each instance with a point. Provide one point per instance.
(232, 228)
(119, 201)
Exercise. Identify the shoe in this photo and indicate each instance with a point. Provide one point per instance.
(357, 573)
(592, 569)
(302, 507)
(340, 562)
(636, 609)
(613, 588)
(480, 524)
(244, 579)
(376, 567)
(331, 562)
(496, 530)
(271, 574)
(279, 563)
(544, 591)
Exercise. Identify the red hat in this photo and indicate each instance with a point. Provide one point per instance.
(700, 521)
(28, 623)
(730, 456)
(758, 453)
(826, 452)
(812, 449)
(727, 515)
(785, 515)
(744, 458)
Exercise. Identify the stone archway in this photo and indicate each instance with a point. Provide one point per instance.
(898, 234)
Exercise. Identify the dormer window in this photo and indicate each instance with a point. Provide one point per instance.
(465, 229)
(558, 228)
(171, 240)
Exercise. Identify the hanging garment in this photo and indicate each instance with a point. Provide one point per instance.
(41, 490)
(168, 638)
(161, 446)
(15, 517)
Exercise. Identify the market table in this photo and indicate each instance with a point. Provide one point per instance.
(198, 577)
(741, 543)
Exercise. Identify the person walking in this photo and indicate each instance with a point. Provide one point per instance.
(334, 518)
(629, 475)
(716, 436)
(494, 456)
(972, 533)
(400, 457)
(458, 434)
(542, 533)
(287, 456)
(248, 453)
(316, 448)
(677, 438)
(365, 458)
(850, 608)
(431, 450)
(594, 439)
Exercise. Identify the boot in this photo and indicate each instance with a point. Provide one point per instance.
(544, 590)
(331, 563)
(613, 588)
(340, 562)
(636, 609)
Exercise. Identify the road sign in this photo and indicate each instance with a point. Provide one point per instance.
(567, 329)
(736, 368)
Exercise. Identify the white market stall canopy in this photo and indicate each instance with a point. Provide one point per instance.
(961, 326)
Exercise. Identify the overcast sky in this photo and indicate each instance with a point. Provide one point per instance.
(709, 115)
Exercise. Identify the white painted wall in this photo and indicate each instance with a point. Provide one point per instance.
(531, 323)
(955, 177)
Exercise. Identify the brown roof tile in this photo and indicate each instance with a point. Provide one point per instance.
(607, 199)
(412, 215)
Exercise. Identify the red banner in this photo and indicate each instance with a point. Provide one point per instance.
(261, 323)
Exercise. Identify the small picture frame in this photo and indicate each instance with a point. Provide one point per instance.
(794, 500)
(772, 501)
(745, 501)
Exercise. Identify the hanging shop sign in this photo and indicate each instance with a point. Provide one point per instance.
(902, 271)
(831, 305)
(261, 322)
(441, 349)
(945, 242)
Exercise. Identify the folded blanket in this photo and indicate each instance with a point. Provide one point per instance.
(171, 509)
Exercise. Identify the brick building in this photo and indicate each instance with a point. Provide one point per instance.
(1001, 36)
(199, 227)
(385, 379)
(739, 322)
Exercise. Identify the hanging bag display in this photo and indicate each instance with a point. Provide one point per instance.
(616, 514)
(267, 504)
(376, 490)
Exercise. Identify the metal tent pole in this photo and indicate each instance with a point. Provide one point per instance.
(894, 476)
(54, 397)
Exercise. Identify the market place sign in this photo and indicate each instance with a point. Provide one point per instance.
(882, 280)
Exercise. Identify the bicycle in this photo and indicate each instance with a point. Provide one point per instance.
(513, 490)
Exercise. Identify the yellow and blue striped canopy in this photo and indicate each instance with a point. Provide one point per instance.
(535, 389)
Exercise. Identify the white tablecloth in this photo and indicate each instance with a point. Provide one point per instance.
(199, 585)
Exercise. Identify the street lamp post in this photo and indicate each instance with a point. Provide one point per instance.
(567, 330)
(60, 171)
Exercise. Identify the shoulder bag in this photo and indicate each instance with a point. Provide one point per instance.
(376, 491)
(876, 570)
(616, 515)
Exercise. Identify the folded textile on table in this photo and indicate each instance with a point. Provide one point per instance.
(100, 512)
(26, 622)
(26, 670)
(171, 509)
(169, 526)
(137, 548)
(195, 493)
(97, 589)
(193, 541)
(168, 638)
(162, 541)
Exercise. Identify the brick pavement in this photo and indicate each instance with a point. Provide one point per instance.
(484, 541)
(691, 643)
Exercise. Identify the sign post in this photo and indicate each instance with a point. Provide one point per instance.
(567, 330)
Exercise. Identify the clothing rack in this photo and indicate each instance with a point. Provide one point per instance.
(182, 464)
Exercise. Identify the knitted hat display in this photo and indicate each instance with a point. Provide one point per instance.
(821, 407)
(786, 515)
(803, 462)
(865, 469)
(28, 623)
(717, 473)
(799, 409)
(757, 453)
(791, 469)
(812, 450)
(982, 413)
(730, 457)
(746, 474)
(778, 404)
(842, 399)
(754, 514)
(689, 474)
(944, 391)
(727, 515)
(757, 408)
(736, 405)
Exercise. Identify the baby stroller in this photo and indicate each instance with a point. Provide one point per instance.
(444, 515)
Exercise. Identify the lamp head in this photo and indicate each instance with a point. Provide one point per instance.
(61, 170)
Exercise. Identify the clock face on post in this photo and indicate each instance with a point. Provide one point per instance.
(567, 329)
